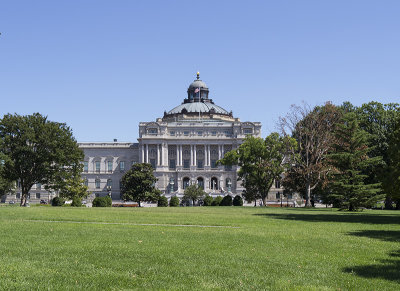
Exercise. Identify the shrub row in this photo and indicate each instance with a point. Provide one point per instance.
(207, 201)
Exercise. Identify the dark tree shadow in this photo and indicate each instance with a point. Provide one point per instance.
(385, 235)
(386, 269)
(336, 217)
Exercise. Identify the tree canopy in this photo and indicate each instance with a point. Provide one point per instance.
(138, 184)
(348, 159)
(313, 131)
(261, 162)
(38, 151)
(193, 192)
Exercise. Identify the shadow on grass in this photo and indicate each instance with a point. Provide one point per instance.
(336, 217)
(388, 269)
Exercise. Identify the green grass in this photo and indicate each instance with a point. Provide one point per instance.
(273, 249)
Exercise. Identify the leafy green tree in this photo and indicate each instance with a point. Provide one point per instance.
(162, 201)
(261, 162)
(349, 158)
(38, 151)
(391, 181)
(237, 201)
(226, 201)
(104, 201)
(74, 188)
(379, 121)
(138, 184)
(313, 131)
(174, 201)
(207, 200)
(217, 201)
(193, 192)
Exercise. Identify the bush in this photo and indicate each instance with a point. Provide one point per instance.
(76, 202)
(237, 201)
(102, 202)
(217, 201)
(226, 201)
(162, 201)
(57, 201)
(174, 201)
(208, 200)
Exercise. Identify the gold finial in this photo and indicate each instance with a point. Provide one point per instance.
(198, 75)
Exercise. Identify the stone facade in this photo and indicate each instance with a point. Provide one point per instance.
(183, 146)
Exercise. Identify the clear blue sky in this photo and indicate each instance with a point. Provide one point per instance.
(104, 66)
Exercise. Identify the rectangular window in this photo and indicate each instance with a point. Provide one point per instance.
(228, 132)
(152, 131)
(153, 163)
(18, 196)
(248, 131)
(172, 133)
(228, 168)
(213, 164)
(200, 133)
(97, 167)
(86, 183)
(38, 186)
(172, 164)
(186, 133)
(278, 195)
(97, 183)
(200, 164)
(289, 196)
(122, 166)
(37, 195)
(186, 164)
(85, 167)
(109, 166)
(213, 133)
(277, 184)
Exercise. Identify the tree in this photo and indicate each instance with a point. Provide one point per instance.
(237, 201)
(138, 184)
(349, 158)
(74, 188)
(174, 201)
(38, 151)
(313, 131)
(379, 121)
(193, 192)
(391, 181)
(261, 162)
(207, 200)
(162, 201)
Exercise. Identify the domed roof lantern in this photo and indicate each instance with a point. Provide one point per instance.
(198, 90)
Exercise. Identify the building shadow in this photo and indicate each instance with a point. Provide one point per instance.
(388, 269)
(358, 217)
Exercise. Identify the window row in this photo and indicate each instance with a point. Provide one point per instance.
(109, 166)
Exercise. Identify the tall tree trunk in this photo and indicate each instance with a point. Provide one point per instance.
(265, 200)
(308, 195)
(397, 204)
(139, 204)
(23, 199)
(388, 202)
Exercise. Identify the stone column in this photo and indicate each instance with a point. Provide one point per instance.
(209, 155)
(191, 155)
(142, 153)
(158, 155)
(222, 151)
(147, 153)
(180, 155)
(219, 152)
(194, 155)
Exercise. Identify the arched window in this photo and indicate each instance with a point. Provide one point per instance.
(214, 183)
(186, 182)
(200, 182)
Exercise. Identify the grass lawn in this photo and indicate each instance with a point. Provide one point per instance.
(150, 248)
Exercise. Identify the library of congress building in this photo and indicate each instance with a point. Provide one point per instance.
(183, 147)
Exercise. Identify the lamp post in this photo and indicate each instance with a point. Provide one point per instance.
(229, 186)
(109, 191)
(171, 183)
